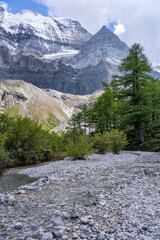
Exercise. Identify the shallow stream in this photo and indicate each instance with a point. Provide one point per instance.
(13, 181)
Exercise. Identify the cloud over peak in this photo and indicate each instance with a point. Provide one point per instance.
(119, 29)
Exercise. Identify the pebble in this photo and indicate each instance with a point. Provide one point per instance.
(18, 225)
(51, 199)
(75, 236)
(74, 213)
(30, 238)
(7, 199)
(84, 220)
(58, 231)
(20, 192)
(64, 237)
(57, 220)
(100, 237)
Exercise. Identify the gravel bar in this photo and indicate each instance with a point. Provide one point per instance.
(112, 197)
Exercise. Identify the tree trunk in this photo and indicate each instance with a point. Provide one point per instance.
(139, 130)
(141, 133)
(136, 129)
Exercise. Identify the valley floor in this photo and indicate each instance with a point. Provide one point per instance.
(112, 197)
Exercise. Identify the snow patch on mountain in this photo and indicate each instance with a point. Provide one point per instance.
(67, 54)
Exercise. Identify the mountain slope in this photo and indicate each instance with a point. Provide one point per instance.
(50, 107)
(21, 98)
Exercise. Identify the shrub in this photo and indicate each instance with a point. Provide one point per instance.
(25, 140)
(100, 143)
(152, 145)
(152, 138)
(78, 147)
(5, 161)
(116, 140)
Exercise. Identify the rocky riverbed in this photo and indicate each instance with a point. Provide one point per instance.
(112, 197)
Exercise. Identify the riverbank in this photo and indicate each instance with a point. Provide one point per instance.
(104, 197)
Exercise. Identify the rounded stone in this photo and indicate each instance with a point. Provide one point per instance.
(47, 236)
(84, 220)
(57, 220)
(18, 226)
(75, 236)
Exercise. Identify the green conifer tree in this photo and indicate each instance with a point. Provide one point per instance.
(134, 107)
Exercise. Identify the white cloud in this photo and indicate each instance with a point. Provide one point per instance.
(119, 29)
(140, 19)
(4, 5)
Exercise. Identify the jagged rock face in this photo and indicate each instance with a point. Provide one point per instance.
(57, 53)
(56, 75)
(9, 98)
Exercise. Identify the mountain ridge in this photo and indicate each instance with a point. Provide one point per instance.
(64, 57)
(52, 33)
(57, 53)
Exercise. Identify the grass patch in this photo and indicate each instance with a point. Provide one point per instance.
(14, 111)
(50, 124)
(70, 102)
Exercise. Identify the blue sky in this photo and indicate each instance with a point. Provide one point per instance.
(16, 6)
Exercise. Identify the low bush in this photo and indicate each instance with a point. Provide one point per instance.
(116, 140)
(78, 147)
(24, 141)
(100, 143)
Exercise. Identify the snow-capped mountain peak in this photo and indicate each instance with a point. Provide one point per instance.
(25, 11)
(2, 13)
(30, 33)
(108, 47)
(42, 26)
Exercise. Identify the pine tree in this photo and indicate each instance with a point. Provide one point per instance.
(104, 112)
(154, 96)
(134, 107)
